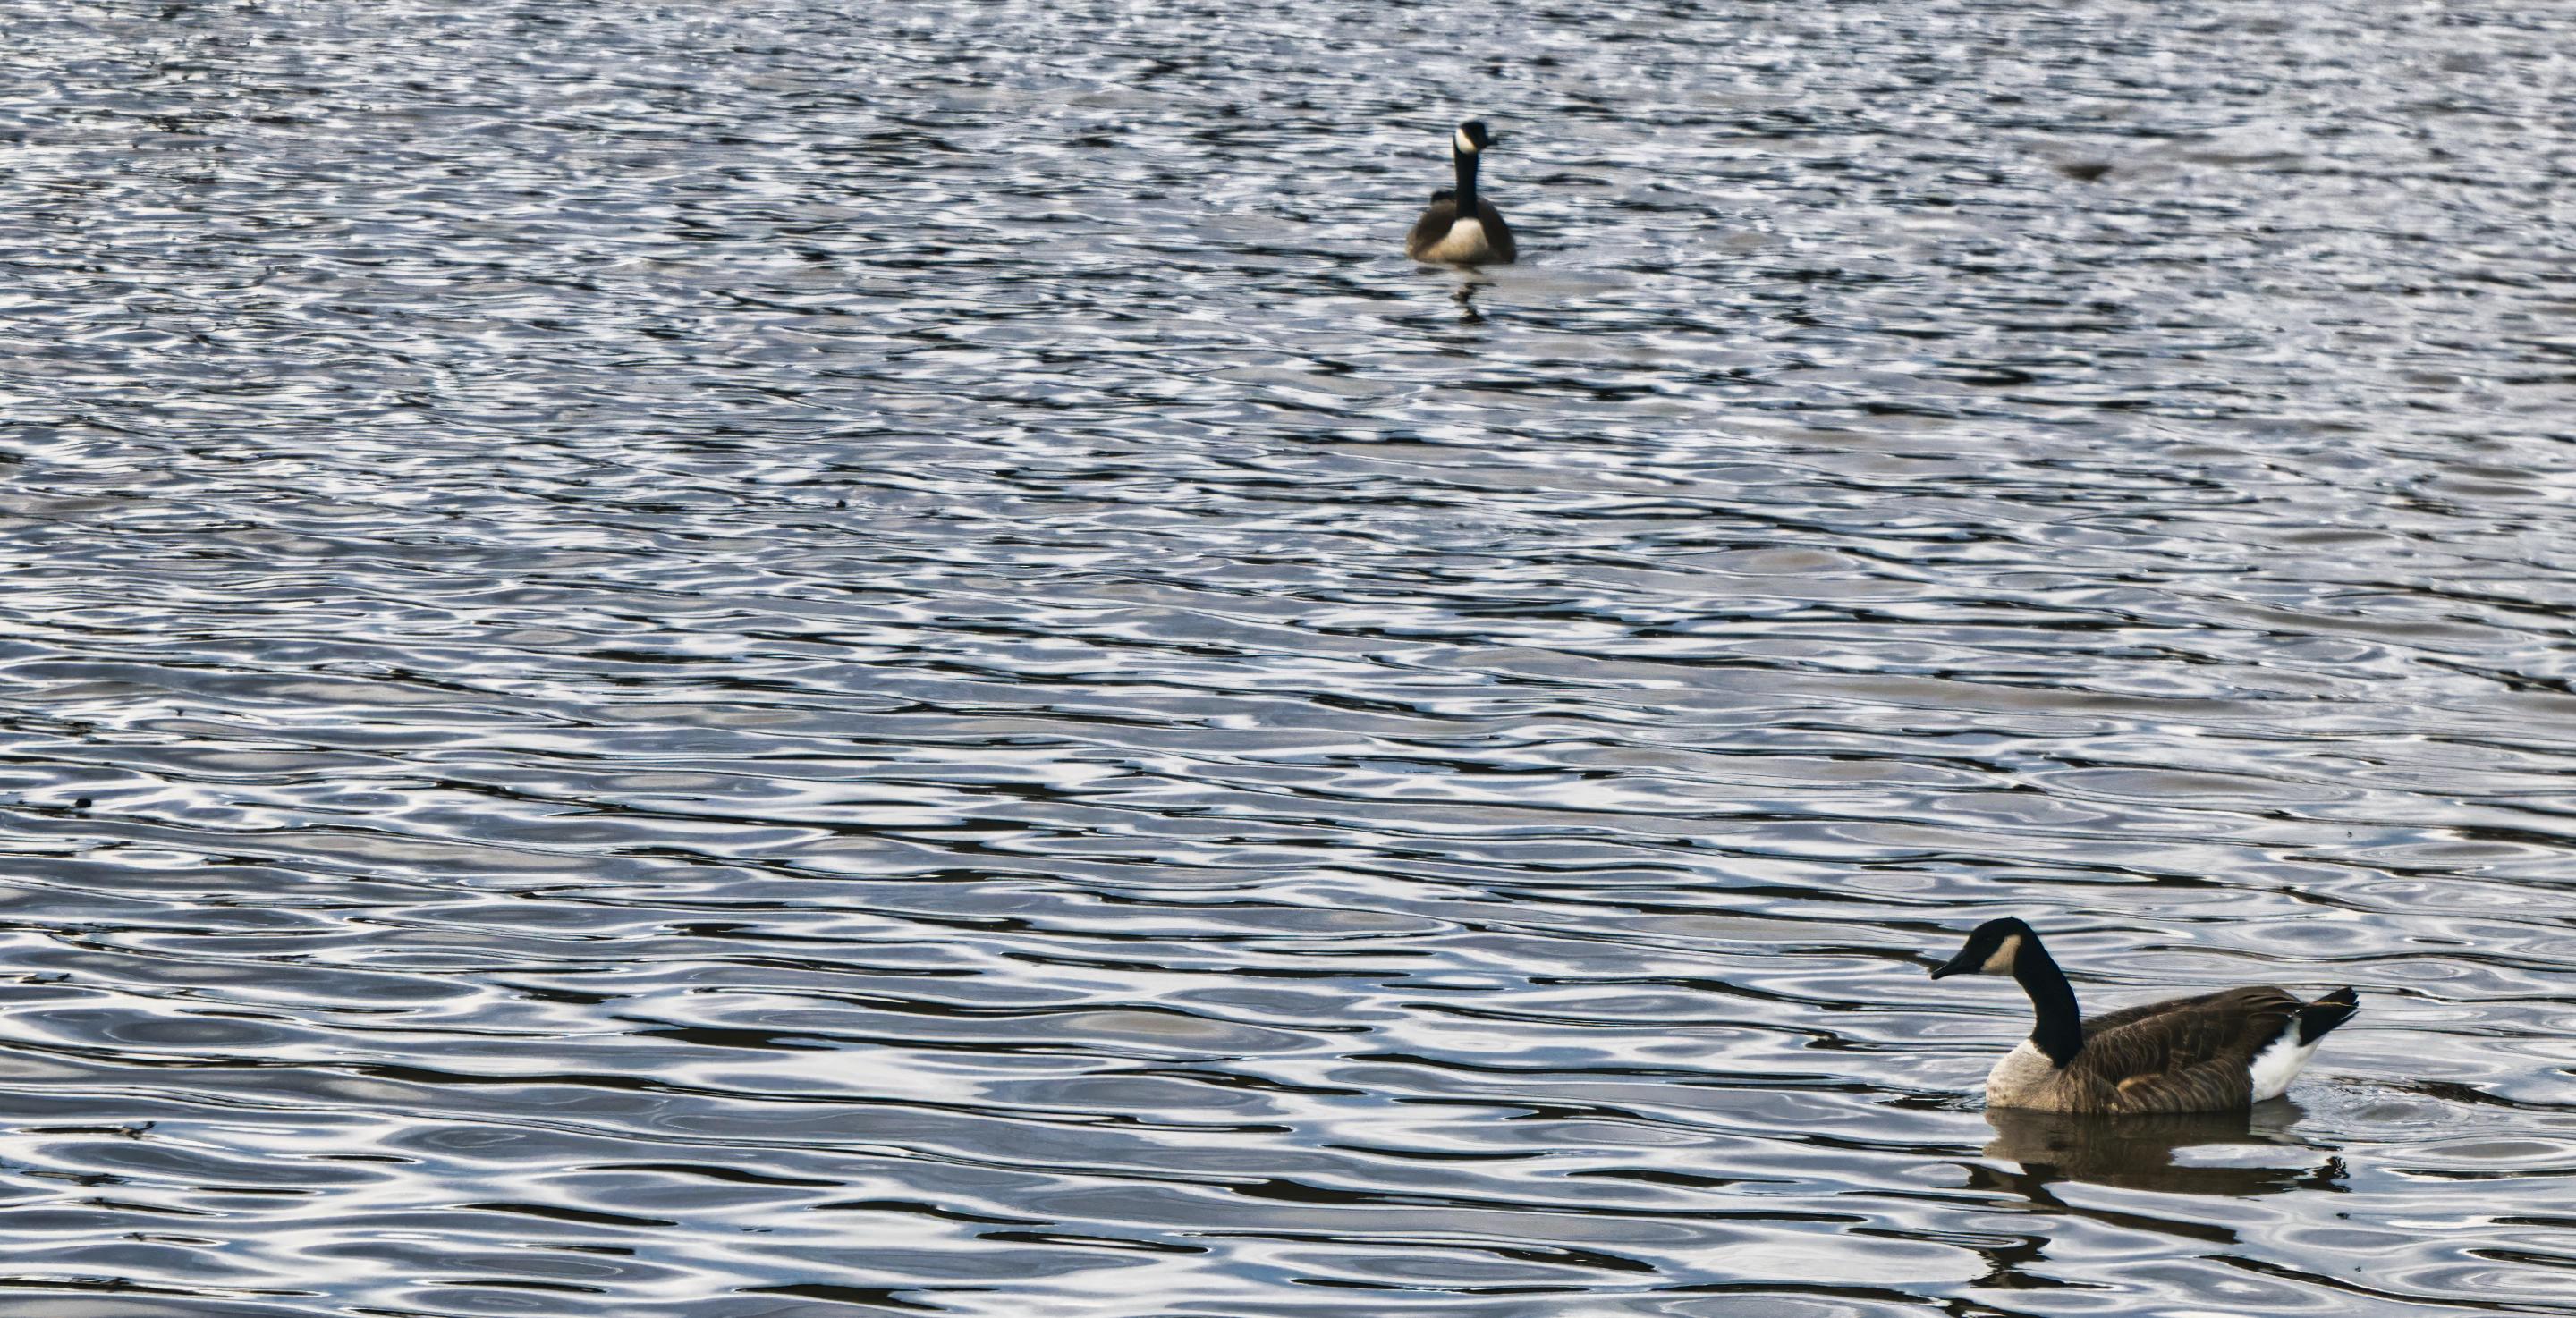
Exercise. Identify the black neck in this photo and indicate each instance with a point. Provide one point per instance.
(2060, 1032)
(1466, 182)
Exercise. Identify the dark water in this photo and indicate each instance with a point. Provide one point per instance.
(798, 660)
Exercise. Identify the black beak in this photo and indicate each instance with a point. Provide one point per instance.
(1957, 965)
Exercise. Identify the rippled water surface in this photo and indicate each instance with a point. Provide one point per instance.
(805, 659)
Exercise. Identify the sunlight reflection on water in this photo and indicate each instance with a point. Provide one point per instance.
(808, 659)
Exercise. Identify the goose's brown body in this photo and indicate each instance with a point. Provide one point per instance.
(1437, 236)
(2187, 1055)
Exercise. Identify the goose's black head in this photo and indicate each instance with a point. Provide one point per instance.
(1991, 949)
(1471, 138)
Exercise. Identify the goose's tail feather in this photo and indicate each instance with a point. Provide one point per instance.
(2326, 1013)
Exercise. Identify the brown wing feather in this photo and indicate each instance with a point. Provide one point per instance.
(1433, 226)
(2112, 1020)
(1498, 235)
(2187, 1055)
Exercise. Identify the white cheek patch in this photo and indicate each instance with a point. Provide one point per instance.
(1465, 147)
(2001, 963)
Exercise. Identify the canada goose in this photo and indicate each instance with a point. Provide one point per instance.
(2217, 1051)
(1459, 227)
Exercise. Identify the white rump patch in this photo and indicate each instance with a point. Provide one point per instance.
(2273, 1067)
(1465, 241)
(1464, 146)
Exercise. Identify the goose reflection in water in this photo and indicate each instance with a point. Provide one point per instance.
(2137, 1153)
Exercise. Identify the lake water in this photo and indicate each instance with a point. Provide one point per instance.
(764, 660)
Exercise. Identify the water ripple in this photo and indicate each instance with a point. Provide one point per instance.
(818, 659)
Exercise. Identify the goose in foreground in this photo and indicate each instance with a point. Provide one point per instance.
(2211, 1053)
(1460, 227)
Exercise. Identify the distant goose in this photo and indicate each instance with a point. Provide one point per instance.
(2217, 1051)
(1460, 227)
